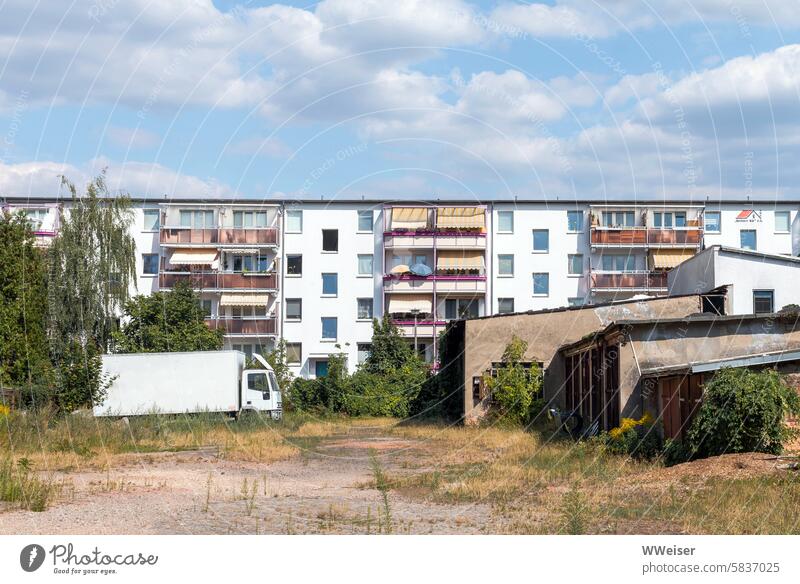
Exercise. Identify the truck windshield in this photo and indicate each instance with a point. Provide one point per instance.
(257, 382)
(273, 382)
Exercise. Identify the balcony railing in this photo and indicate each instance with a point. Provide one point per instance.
(244, 326)
(640, 280)
(647, 236)
(220, 280)
(472, 283)
(219, 236)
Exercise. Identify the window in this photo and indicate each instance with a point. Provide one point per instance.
(505, 265)
(151, 220)
(763, 301)
(575, 264)
(712, 221)
(460, 308)
(257, 382)
(574, 221)
(330, 240)
(294, 353)
(541, 284)
(505, 221)
(669, 220)
(247, 263)
(294, 309)
(330, 284)
(364, 308)
(197, 219)
(248, 311)
(321, 368)
(505, 305)
(294, 221)
(781, 221)
(249, 219)
(294, 265)
(541, 240)
(365, 264)
(364, 349)
(330, 327)
(150, 263)
(576, 301)
(205, 307)
(365, 221)
(618, 263)
(747, 239)
(680, 219)
(618, 219)
(35, 217)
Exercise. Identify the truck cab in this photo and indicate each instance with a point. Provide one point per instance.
(260, 390)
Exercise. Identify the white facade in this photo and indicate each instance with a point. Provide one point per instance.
(757, 282)
(530, 256)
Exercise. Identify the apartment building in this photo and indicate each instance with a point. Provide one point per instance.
(316, 272)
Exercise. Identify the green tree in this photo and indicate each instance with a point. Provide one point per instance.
(389, 349)
(81, 381)
(515, 388)
(277, 360)
(23, 304)
(92, 268)
(164, 322)
(742, 411)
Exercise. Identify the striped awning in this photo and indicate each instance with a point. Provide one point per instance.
(193, 257)
(244, 299)
(409, 218)
(456, 259)
(408, 303)
(460, 218)
(663, 259)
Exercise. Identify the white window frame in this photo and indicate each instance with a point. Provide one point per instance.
(788, 215)
(294, 213)
(511, 213)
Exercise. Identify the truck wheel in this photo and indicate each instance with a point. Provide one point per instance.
(277, 415)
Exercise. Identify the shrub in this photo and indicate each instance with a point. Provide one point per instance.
(81, 382)
(635, 438)
(742, 411)
(514, 388)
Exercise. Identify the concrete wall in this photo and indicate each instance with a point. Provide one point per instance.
(545, 332)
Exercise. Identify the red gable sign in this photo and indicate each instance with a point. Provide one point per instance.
(744, 215)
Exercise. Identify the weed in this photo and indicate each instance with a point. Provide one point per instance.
(383, 487)
(574, 512)
(19, 484)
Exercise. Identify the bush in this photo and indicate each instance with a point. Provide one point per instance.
(636, 438)
(81, 382)
(514, 389)
(742, 411)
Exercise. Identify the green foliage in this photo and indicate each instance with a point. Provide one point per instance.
(742, 411)
(442, 395)
(514, 389)
(23, 304)
(81, 382)
(385, 385)
(92, 267)
(277, 360)
(635, 438)
(165, 322)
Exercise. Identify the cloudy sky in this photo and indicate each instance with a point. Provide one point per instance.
(403, 99)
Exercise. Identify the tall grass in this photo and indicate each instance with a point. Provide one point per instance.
(20, 485)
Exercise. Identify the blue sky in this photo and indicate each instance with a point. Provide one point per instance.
(344, 98)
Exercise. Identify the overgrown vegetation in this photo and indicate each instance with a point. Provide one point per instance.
(636, 438)
(742, 411)
(386, 384)
(20, 485)
(515, 390)
(164, 322)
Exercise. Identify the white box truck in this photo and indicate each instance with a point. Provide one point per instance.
(179, 383)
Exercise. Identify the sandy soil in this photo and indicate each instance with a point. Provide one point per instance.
(327, 490)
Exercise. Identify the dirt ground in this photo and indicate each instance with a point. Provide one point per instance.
(332, 486)
(328, 488)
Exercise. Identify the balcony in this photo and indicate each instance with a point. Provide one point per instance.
(646, 237)
(430, 239)
(244, 326)
(218, 237)
(425, 328)
(214, 281)
(443, 283)
(638, 281)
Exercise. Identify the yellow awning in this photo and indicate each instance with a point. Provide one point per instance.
(193, 257)
(409, 218)
(460, 218)
(666, 258)
(409, 302)
(244, 299)
(454, 259)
